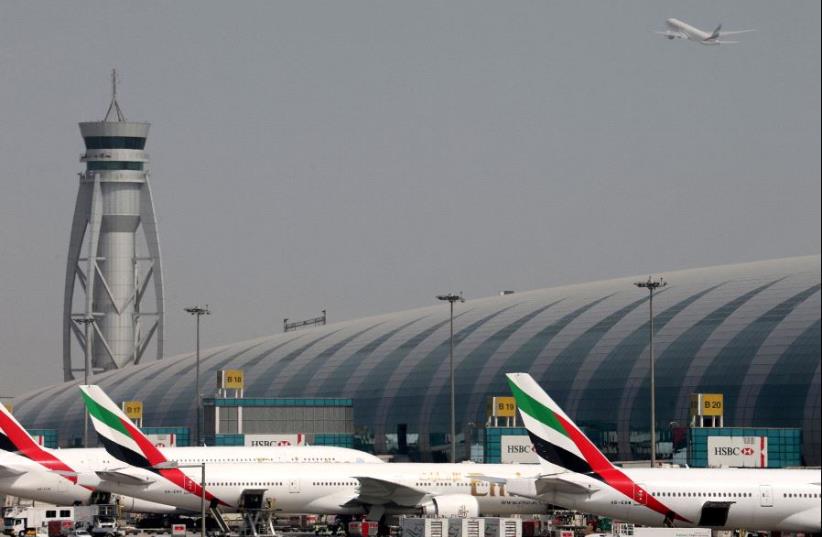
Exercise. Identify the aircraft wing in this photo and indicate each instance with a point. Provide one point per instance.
(9, 470)
(552, 484)
(375, 491)
(543, 485)
(124, 478)
(671, 35)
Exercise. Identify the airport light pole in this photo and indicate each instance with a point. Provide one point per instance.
(198, 312)
(451, 298)
(652, 285)
(168, 465)
(86, 321)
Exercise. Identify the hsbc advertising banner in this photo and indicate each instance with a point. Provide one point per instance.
(517, 449)
(163, 440)
(274, 440)
(738, 451)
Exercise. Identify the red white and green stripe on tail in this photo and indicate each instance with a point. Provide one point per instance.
(124, 441)
(15, 439)
(562, 446)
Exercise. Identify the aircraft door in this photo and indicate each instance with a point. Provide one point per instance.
(765, 496)
(294, 486)
(640, 496)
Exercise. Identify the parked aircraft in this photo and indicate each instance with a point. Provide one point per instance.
(341, 489)
(682, 30)
(577, 475)
(31, 471)
(69, 476)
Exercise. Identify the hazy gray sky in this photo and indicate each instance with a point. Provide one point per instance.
(364, 156)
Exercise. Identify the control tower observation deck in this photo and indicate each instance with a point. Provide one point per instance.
(115, 270)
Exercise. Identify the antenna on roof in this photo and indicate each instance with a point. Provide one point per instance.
(114, 113)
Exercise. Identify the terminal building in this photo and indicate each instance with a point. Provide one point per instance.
(749, 332)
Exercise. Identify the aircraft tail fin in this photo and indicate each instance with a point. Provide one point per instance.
(559, 443)
(15, 439)
(121, 438)
(124, 441)
(715, 34)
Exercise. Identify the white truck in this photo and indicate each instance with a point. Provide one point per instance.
(19, 521)
(99, 520)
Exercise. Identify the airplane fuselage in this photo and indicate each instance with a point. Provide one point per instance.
(37, 483)
(778, 500)
(336, 489)
(690, 32)
(76, 480)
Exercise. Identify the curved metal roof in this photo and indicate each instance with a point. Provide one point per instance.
(750, 331)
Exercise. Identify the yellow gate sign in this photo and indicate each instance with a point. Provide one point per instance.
(712, 404)
(502, 407)
(133, 409)
(230, 379)
(707, 404)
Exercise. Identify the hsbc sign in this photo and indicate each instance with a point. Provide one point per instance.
(738, 451)
(517, 449)
(274, 440)
(163, 440)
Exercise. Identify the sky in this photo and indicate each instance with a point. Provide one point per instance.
(363, 157)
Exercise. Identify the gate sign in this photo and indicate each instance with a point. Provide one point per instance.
(502, 407)
(230, 379)
(738, 451)
(517, 449)
(274, 440)
(707, 404)
(133, 409)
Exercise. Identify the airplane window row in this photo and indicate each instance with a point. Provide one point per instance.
(293, 459)
(800, 495)
(446, 484)
(704, 494)
(333, 483)
(245, 483)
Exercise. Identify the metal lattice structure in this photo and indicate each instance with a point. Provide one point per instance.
(114, 202)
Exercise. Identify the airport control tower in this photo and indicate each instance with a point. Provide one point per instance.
(114, 268)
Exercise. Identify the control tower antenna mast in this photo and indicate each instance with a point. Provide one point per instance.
(114, 113)
(116, 273)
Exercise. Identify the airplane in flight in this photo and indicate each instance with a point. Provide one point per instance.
(576, 475)
(342, 489)
(682, 30)
(69, 476)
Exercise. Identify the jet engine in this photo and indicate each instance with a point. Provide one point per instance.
(135, 505)
(460, 505)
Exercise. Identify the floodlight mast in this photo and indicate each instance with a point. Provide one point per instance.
(198, 312)
(451, 298)
(652, 285)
